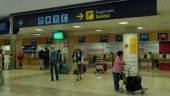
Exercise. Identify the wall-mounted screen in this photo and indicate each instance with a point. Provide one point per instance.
(144, 37)
(4, 27)
(119, 38)
(103, 38)
(162, 36)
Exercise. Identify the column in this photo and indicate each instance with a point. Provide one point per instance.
(12, 45)
(130, 49)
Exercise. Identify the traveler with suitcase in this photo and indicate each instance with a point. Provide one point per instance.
(117, 69)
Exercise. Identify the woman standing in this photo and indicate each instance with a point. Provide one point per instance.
(7, 61)
(117, 69)
(78, 58)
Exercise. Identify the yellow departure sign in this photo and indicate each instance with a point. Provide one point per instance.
(90, 15)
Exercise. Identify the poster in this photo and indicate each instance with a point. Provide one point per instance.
(133, 45)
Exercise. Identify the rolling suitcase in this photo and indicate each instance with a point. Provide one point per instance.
(133, 83)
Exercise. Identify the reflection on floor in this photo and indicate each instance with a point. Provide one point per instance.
(37, 83)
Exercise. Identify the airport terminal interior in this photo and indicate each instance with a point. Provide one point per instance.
(99, 28)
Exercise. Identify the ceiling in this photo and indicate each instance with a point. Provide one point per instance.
(8, 7)
(161, 23)
(14, 6)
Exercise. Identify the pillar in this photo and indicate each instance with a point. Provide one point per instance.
(12, 45)
(130, 49)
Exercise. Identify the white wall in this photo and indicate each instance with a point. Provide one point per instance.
(13, 6)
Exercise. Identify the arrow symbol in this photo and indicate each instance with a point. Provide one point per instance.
(20, 23)
(80, 16)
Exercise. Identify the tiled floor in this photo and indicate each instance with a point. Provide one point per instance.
(37, 83)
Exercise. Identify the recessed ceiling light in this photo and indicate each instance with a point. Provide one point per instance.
(140, 28)
(37, 34)
(76, 26)
(123, 23)
(39, 29)
(98, 30)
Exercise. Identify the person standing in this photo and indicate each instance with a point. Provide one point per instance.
(1, 59)
(78, 58)
(73, 55)
(7, 61)
(20, 57)
(46, 59)
(1, 68)
(117, 69)
(41, 57)
(55, 60)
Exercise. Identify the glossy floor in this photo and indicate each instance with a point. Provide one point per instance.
(37, 83)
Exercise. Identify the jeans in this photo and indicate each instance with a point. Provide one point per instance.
(56, 67)
(116, 77)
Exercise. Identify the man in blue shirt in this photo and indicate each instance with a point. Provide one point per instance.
(55, 60)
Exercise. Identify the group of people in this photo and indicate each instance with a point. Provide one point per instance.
(53, 59)
(77, 56)
(44, 59)
(5, 59)
(56, 60)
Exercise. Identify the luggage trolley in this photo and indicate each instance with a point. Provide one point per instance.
(131, 81)
(101, 66)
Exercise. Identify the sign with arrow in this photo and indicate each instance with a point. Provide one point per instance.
(102, 10)
(20, 22)
(80, 16)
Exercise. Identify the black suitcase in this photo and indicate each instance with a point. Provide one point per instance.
(133, 83)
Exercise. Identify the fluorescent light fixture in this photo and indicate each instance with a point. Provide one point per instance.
(140, 28)
(76, 26)
(39, 29)
(37, 34)
(123, 23)
(98, 30)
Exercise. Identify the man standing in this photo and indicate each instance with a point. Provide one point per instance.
(46, 59)
(41, 55)
(55, 61)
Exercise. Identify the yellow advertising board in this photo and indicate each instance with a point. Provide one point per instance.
(133, 45)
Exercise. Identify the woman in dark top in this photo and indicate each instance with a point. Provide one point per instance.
(78, 58)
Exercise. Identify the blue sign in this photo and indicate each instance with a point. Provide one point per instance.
(40, 20)
(103, 10)
(64, 18)
(54, 19)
